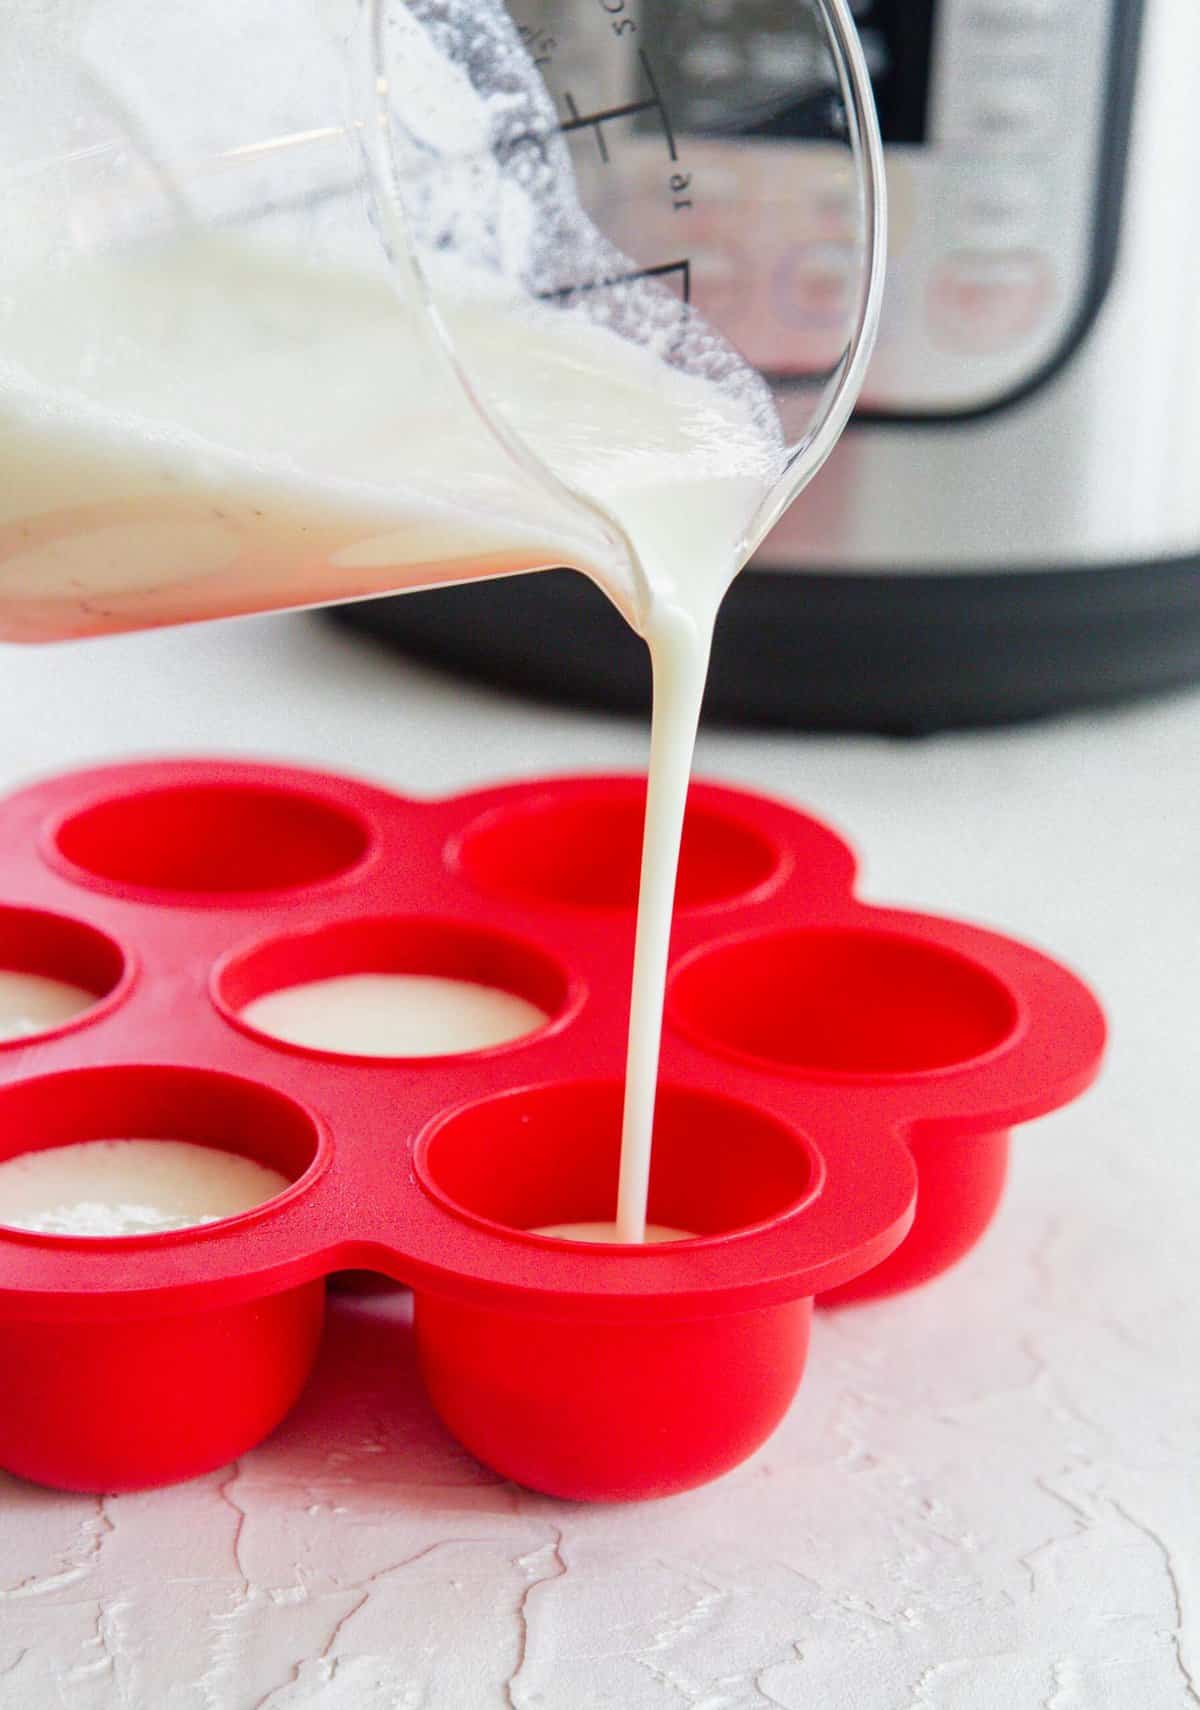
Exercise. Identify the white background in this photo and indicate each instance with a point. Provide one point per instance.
(985, 1496)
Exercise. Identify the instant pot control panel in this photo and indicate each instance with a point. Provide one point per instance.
(1005, 123)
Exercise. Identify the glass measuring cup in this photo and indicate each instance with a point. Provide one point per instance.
(229, 377)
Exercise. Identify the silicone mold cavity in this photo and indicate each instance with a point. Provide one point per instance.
(718, 1165)
(121, 1402)
(125, 1403)
(154, 1102)
(585, 851)
(33, 941)
(838, 1083)
(210, 839)
(582, 1407)
(389, 945)
(839, 1002)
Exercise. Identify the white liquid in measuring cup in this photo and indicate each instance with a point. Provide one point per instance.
(130, 1187)
(206, 427)
(203, 429)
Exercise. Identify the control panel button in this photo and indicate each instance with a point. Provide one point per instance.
(1013, 108)
(814, 285)
(997, 208)
(983, 302)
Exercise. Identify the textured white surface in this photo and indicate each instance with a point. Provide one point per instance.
(985, 1496)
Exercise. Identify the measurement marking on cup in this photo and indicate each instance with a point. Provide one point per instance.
(662, 271)
(668, 131)
(595, 122)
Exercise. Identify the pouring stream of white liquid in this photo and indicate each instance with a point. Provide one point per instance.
(679, 648)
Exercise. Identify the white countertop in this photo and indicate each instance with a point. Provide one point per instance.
(985, 1496)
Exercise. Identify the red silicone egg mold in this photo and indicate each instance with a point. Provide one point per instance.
(829, 1068)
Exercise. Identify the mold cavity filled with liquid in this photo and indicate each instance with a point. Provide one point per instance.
(393, 987)
(394, 1015)
(52, 970)
(603, 1233)
(130, 1187)
(718, 1165)
(34, 1003)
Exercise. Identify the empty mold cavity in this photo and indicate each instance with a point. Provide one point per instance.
(842, 1002)
(212, 839)
(393, 988)
(91, 1189)
(53, 971)
(586, 851)
(549, 1155)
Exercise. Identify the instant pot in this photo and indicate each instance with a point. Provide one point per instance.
(1012, 524)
